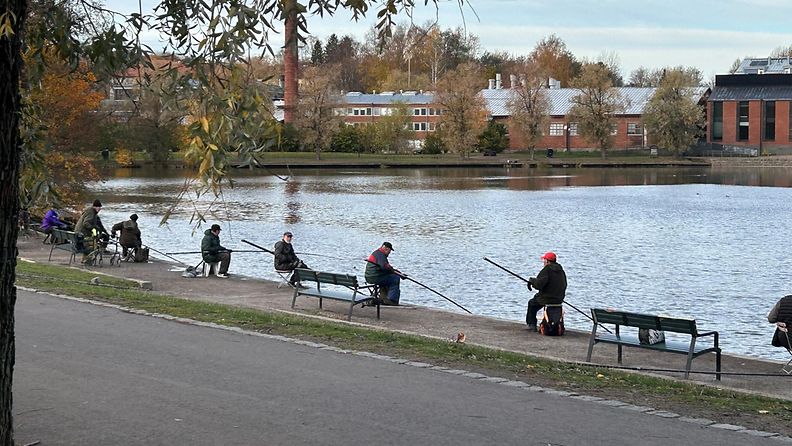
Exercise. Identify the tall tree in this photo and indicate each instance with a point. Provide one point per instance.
(529, 106)
(317, 53)
(228, 30)
(555, 60)
(673, 116)
(735, 66)
(316, 118)
(643, 77)
(595, 106)
(782, 51)
(464, 113)
(610, 60)
(640, 77)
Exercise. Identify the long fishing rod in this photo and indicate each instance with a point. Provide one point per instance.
(527, 281)
(444, 297)
(201, 252)
(257, 246)
(162, 253)
(405, 276)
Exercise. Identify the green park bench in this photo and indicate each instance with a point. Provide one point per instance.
(334, 286)
(64, 240)
(652, 322)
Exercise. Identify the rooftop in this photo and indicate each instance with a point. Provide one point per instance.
(765, 65)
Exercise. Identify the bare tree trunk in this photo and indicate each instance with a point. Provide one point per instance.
(290, 61)
(10, 146)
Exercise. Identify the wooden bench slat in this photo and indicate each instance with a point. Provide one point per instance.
(678, 325)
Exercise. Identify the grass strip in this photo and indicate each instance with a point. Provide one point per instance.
(690, 399)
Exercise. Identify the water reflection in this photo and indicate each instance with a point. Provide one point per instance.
(291, 192)
(692, 241)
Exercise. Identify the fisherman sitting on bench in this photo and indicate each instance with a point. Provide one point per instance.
(286, 260)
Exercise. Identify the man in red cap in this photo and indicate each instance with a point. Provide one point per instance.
(380, 272)
(551, 285)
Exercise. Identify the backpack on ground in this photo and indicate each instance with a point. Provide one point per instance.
(141, 255)
(553, 321)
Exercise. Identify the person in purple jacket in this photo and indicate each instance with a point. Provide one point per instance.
(52, 220)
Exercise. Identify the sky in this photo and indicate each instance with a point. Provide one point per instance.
(709, 35)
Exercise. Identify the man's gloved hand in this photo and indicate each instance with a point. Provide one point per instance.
(529, 286)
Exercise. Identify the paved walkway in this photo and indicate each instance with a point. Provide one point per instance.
(479, 330)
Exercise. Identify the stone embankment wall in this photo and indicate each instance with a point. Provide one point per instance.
(762, 161)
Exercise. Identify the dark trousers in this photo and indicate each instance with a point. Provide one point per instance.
(391, 282)
(225, 262)
(533, 307)
(300, 264)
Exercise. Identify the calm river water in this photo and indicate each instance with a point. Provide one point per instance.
(707, 243)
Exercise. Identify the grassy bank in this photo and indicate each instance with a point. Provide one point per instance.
(687, 399)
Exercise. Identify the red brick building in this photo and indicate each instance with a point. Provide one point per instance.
(364, 109)
(562, 132)
(751, 110)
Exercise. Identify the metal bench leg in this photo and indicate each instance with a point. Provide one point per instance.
(717, 366)
(591, 342)
(294, 298)
(690, 357)
(351, 306)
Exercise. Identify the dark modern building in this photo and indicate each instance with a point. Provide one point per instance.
(753, 107)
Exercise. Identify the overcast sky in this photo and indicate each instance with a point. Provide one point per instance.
(706, 34)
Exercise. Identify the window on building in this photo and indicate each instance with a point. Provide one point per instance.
(717, 121)
(769, 121)
(431, 112)
(423, 112)
(376, 111)
(348, 111)
(419, 126)
(432, 127)
(368, 112)
(573, 129)
(634, 128)
(556, 129)
(123, 94)
(416, 112)
(614, 129)
(743, 126)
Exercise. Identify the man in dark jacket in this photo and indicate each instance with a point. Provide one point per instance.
(212, 251)
(130, 234)
(551, 285)
(380, 272)
(285, 258)
(90, 228)
(89, 221)
(781, 315)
